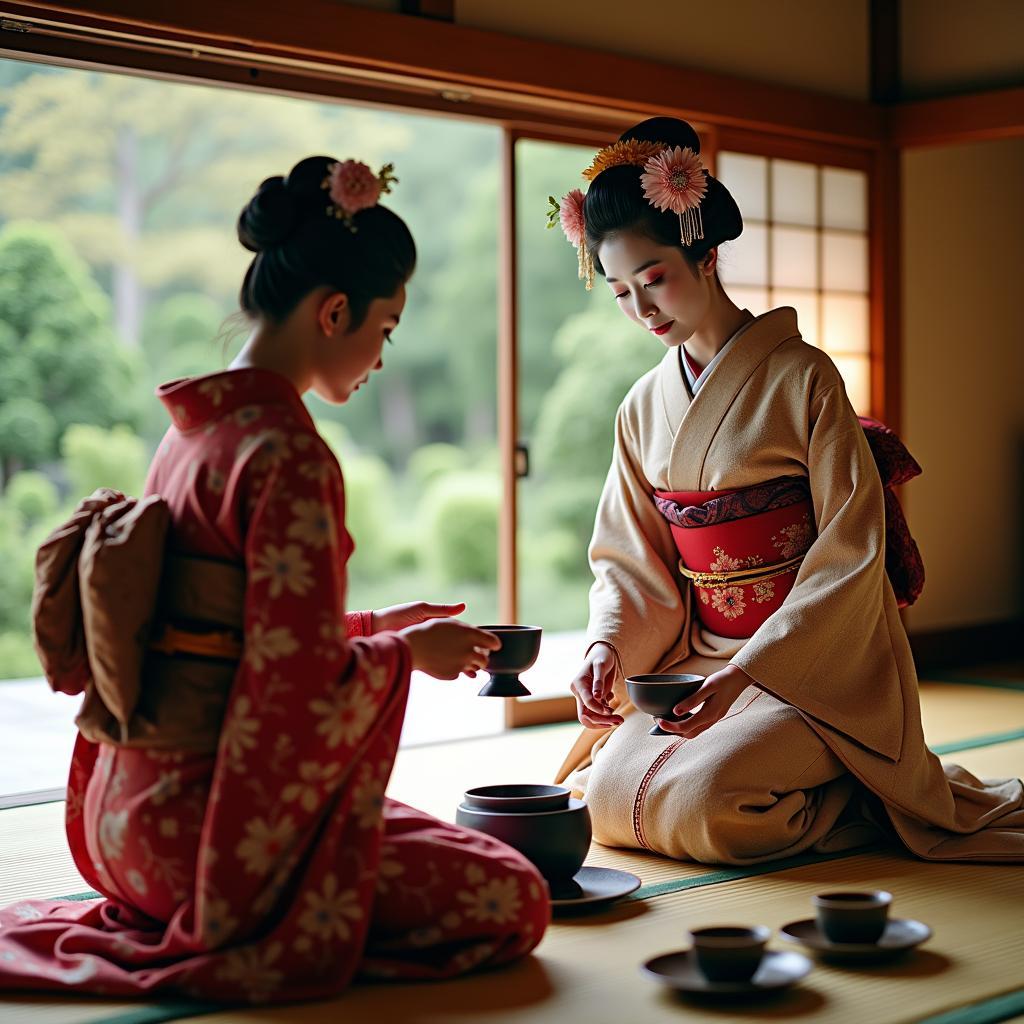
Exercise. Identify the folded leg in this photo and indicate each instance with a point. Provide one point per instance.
(449, 900)
(758, 785)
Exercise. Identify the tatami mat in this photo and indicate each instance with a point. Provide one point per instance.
(589, 972)
(587, 969)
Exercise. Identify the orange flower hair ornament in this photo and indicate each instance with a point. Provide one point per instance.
(674, 178)
(352, 187)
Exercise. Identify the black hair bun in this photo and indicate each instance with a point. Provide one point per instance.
(670, 130)
(269, 217)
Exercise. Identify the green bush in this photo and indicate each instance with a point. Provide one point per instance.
(602, 357)
(370, 512)
(17, 556)
(554, 552)
(18, 657)
(432, 461)
(33, 496)
(95, 457)
(567, 504)
(61, 362)
(460, 513)
(28, 432)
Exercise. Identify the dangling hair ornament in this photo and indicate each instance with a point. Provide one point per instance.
(569, 213)
(676, 180)
(352, 187)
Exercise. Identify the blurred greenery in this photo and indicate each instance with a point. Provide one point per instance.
(119, 270)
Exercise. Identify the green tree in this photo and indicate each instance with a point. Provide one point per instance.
(602, 356)
(461, 515)
(147, 178)
(60, 363)
(33, 497)
(94, 457)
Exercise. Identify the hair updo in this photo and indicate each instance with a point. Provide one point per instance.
(299, 247)
(615, 200)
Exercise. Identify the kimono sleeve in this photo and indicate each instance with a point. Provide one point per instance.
(828, 650)
(635, 602)
(296, 551)
(312, 710)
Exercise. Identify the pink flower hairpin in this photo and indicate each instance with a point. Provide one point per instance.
(569, 214)
(352, 187)
(676, 180)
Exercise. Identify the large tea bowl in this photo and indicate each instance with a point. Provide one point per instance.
(517, 798)
(556, 841)
(659, 693)
(520, 646)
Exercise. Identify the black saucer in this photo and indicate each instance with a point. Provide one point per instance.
(592, 887)
(900, 935)
(680, 971)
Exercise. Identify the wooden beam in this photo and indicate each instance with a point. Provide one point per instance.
(886, 306)
(440, 10)
(980, 117)
(884, 23)
(491, 67)
(508, 382)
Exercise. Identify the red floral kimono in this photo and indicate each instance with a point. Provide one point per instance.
(273, 868)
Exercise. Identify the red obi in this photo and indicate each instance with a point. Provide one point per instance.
(741, 549)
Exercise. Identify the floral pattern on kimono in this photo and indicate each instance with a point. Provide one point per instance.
(275, 868)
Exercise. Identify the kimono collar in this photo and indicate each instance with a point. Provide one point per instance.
(198, 401)
(702, 415)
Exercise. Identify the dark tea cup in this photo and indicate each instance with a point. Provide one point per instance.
(729, 953)
(659, 693)
(852, 917)
(520, 646)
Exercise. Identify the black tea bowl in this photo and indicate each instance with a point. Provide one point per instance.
(556, 841)
(658, 694)
(517, 798)
(731, 952)
(520, 646)
(853, 916)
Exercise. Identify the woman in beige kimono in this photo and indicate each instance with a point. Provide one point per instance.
(741, 536)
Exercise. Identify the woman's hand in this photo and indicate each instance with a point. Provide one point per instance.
(717, 694)
(446, 648)
(398, 616)
(592, 688)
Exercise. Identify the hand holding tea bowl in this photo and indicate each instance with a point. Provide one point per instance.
(657, 694)
(520, 646)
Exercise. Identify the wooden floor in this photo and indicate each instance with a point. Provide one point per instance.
(972, 970)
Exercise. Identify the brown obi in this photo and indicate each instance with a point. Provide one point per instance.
(740, 549)
(151, 638)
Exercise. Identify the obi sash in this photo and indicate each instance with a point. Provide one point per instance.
(741, 549)
(151, 637)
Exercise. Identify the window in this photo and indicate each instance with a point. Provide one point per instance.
(119, 195)
(804, 244)
(130, 187)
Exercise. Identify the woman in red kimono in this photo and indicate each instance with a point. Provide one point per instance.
(234, 816)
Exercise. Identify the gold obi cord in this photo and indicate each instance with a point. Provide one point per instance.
(739, 577)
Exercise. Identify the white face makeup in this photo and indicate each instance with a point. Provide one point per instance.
(655, 286)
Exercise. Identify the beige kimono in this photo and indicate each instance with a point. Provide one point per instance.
(836, 696)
